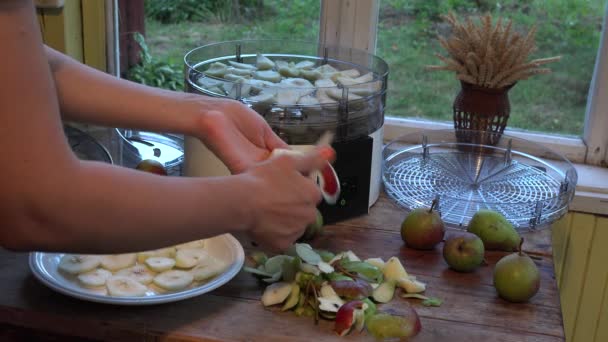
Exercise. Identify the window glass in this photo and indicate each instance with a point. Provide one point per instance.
(555, 102)
(170, 32)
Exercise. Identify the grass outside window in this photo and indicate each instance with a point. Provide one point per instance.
(407, 40)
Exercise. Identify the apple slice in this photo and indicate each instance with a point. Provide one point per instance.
(393, 270)
(263, 63)
(276, 293)
(327, 291)
(293, 298)
(308, 268)
(217, 69)
(378, 262)
(329, 301)
(411, 285)
(242, 65)
(384, 293)
(349, 315)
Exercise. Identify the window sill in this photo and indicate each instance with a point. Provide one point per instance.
(591, 194)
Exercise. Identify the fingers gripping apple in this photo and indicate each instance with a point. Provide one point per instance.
(325, 178)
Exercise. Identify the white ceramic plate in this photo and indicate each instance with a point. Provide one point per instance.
(224, 247)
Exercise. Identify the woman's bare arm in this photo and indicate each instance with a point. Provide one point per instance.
(89, 95)
(234, 132)
(52, 201)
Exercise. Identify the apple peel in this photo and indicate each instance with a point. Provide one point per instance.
(351, 314)
(349, 289)
(426, 301)
(411, 285)
(378, 262)
(276, 293)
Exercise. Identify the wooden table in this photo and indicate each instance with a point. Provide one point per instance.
(471, 310)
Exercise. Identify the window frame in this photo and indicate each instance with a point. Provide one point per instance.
(343, 22)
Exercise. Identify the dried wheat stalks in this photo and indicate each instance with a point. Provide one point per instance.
(489, 56)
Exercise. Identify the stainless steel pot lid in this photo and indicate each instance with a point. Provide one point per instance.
(85, 146)
(167, 149)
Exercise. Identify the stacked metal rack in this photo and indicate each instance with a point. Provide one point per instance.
(531, 189)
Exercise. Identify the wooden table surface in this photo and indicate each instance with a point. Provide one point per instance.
(471, 310)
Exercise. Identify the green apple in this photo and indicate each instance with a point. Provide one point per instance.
(463, 252)
(313, 229)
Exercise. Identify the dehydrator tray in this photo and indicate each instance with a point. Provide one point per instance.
(531, 189)
(314, 88)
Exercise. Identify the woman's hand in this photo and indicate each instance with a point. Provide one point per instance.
(282, 200)
(236, 134)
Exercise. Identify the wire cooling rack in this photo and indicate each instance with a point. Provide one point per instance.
(531, 189)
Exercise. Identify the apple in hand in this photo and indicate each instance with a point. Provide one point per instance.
(464, 252)
(349, 315)
(423, 228)
(152, 166)
(313, 229)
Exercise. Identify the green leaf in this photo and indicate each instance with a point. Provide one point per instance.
(414, 295)
(372, 273)
(303, 278)
(291, 251)
(290, 268)
(426, 301)
(145, 53)
(260, 258)
(432, 302)
(275, 263)
(337, 276)
(257, 272)
(275, 277)
(371, 308)
(307, 254)
(325, 255)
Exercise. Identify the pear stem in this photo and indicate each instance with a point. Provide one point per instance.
(433, 205)
(521, 242)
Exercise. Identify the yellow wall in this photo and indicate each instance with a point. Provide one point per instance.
(580, 249)
(77, 29)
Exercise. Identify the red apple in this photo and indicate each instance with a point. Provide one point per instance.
(152, 166)
(423, 228)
